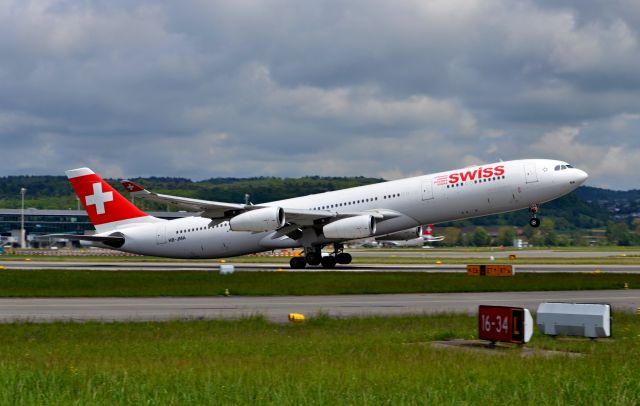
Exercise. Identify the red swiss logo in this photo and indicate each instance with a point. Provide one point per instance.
(476, 174)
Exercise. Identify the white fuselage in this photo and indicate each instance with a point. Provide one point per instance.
(428, 199)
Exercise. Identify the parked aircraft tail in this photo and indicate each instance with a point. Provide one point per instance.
(427, 234)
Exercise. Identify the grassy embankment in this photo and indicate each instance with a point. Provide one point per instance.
(326, 362)
(76, 283)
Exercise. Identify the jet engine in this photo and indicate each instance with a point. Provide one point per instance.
(258, 220)
(351, 228)
(403, 235)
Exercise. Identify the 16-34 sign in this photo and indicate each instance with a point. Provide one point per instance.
(507, 324)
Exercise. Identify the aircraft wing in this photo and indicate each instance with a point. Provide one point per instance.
(222, 211)
(213, 210)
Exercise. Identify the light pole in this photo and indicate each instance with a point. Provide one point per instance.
(23, 243)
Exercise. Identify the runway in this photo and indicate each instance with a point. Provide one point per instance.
(277, 308)
(496, 253)
(255, 267)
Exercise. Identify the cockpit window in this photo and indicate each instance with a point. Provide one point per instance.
(562, 167)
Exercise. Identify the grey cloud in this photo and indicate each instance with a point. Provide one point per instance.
(208, 88)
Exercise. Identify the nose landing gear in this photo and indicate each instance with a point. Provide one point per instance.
(534, 221)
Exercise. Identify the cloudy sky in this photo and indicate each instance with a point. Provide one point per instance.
(202, 89)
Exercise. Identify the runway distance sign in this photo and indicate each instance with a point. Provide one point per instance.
(505, 324)
(490, 270)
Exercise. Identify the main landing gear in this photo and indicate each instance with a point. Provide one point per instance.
(313, 257)
(534, 221)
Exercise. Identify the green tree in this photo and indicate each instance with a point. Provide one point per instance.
(547, 225)
(562, 241)
(636, 231)
(464, 240)
(506, 235)
(537, 239)
(618, 233)
(547, 230)
(480, 238)
(551, 239)
(577, 238)
(452, 236)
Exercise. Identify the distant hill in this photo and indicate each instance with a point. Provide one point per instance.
(587, 207)
(620, 205)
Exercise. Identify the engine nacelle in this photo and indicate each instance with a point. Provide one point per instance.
(404, 235)
(258, 220)
(351, 228)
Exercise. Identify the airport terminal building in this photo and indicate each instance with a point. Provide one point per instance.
(41, 222)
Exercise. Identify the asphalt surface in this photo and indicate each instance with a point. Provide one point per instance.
(277, 308)
(215, 266)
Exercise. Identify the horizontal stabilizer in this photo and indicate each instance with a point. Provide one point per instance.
(114, 241)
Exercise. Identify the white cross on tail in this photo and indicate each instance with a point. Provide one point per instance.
(99, 198)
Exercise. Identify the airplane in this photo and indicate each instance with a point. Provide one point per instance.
(427, 235)
(420, 236)
(393, 209)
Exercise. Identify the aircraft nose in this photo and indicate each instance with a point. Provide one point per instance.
(581, 176)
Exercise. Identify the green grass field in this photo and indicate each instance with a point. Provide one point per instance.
(75, 283)
(371, 361)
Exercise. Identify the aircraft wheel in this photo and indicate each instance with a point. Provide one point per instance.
(313, 258)
(534, 222)
(297, 263)
(328, 262)
(343, 258)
